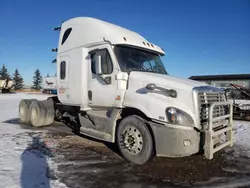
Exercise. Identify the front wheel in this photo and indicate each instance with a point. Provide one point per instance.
(134, 140)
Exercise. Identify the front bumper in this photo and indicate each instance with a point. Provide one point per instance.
(175, 142)
(180, 141)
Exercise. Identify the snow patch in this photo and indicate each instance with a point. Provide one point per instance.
(242, 138)
(25, 159)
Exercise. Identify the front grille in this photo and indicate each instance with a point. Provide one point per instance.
(205, 99)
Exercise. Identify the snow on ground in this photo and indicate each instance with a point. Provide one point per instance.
(242, 101)
(22, 165)
(242, 138)
(242, 134)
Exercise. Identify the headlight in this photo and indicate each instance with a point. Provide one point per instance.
(179, 117)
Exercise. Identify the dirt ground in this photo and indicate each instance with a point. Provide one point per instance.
(85, 162)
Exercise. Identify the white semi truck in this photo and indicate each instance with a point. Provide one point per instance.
(6, 85)
(113, 86)
(49, 85)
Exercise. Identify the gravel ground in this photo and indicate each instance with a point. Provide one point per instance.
(85, 162)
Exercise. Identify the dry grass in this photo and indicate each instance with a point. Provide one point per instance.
(27, 91)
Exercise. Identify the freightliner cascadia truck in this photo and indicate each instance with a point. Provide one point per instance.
(113, 86)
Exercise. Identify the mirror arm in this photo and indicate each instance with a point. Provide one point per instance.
(170, 92)
(106, 79)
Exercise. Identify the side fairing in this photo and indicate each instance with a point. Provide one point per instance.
(72, 78)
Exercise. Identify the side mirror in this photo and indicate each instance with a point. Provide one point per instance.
(98, 64)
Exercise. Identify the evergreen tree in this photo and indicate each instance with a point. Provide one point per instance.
(47, 74)
(18, 80)
(4, 74)
(37, 80)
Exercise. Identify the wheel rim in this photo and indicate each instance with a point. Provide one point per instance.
(34, 113)
(131, 140)
(22, 113)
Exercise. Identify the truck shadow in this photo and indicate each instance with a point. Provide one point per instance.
(35, 169)
(64, 130)
(16, 121)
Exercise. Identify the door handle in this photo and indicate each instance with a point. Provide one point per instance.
(90, 95)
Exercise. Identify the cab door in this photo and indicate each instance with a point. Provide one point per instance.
(102, 87)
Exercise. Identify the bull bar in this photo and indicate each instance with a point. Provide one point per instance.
(211, 133)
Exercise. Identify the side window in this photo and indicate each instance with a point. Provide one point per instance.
(66, 35)
(146, 65)
(155, 67)
(107, 66)
(151, 66)
(62, 70)
(93, 63)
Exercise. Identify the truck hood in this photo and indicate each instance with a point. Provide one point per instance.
(153, 104)
(162, 80)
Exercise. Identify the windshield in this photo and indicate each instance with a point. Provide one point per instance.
(131, 59)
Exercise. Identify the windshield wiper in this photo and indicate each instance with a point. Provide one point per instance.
(147, 71)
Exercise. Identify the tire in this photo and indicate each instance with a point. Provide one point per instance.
(42, 113)
(37, 113)
(50, 112)
(142, 150)
(24, 110)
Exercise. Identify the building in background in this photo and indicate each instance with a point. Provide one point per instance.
(224, 81)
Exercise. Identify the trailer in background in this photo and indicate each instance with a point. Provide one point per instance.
(6, 85)
(49, 85)
(241, 108)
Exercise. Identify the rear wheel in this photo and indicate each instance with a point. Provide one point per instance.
(37, 113)
(24, 110)
(42, 113)
(134, 140)
(50, 111)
